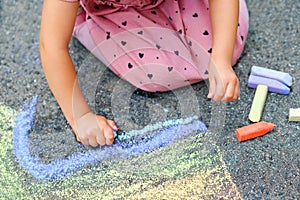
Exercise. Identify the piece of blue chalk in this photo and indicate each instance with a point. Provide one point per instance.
(273, 85)
(283, 77)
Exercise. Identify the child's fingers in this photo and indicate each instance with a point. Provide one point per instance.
(109, 135)
(112, 124)
(237, 90)
(93, 141)
(100, 139)
(80, 139)
(212, 87)
(230, 92)
(220, 91)
(84, 141)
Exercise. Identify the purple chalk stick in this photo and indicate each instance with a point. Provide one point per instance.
(283, 77)
(273, 85)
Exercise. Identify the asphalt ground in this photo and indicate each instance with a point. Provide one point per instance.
(264, 168)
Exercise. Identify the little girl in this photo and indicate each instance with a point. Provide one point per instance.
(156, 45)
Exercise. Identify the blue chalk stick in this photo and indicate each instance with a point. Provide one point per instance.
(273, 85)
(272, 74)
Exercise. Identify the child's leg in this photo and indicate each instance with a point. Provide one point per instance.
(194, 20)
(157, 49)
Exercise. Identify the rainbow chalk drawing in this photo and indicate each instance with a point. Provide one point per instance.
(163, 135)
(177, 170)
(11, 185)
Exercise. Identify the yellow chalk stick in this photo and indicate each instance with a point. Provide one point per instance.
(258, 103)
(294, 115)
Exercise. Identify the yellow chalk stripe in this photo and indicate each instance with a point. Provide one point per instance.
(10, 183)
(258, 103)
(214, 183)
(120, 179)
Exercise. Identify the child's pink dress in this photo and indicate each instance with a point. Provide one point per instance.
(156, 45)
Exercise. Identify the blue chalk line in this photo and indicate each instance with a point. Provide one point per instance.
(165, 133)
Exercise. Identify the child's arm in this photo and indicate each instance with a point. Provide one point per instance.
(224, 84)
(57, 24)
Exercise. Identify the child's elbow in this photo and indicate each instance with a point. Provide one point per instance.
(52, 44)
(51, 50)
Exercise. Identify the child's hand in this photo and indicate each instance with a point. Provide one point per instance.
(94, 130)
(223, 82)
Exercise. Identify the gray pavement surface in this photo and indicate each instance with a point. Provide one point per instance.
(265, 168)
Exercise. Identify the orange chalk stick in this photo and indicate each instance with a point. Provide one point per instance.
(253, 130)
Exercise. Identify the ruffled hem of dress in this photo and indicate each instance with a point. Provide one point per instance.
(132, 4)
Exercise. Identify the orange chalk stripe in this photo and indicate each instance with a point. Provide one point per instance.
(253, 130)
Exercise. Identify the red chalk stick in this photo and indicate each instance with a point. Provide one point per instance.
(253, 130)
